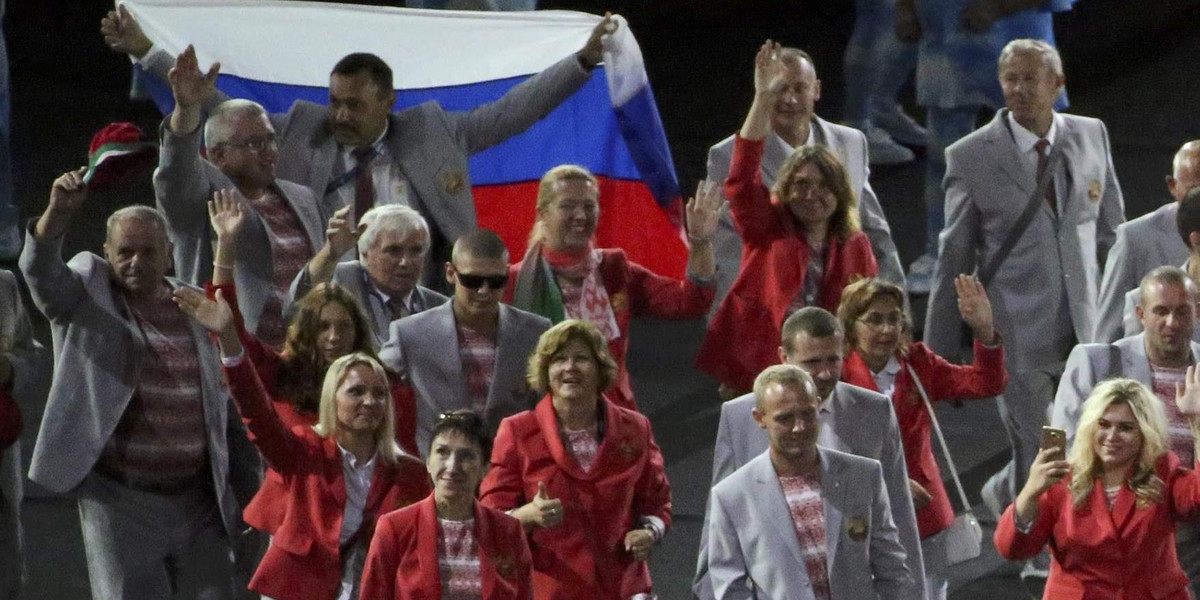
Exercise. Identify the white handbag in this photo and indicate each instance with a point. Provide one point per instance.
(961, 542)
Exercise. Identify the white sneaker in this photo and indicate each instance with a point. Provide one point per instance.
(900, 126)
(920, 275)
(884, 150)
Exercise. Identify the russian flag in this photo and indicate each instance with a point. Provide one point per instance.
(276, 52)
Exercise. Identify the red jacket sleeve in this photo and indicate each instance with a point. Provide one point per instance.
(266, 430)
(383, 560)
(665, 298)
(984, 378)
(749, 200)
(1184, 487)
(1014, 545)
(10, 420)
(503, 488)
(264, 357)
(404, 403)
(652, 494)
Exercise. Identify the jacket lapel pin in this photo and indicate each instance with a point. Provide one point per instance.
(452, 181)
(1094, 190)
(857, 529)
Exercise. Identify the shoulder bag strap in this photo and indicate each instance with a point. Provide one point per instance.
(937, 428)
(988, 271)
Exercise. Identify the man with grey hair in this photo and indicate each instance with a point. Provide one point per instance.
(853, 419)
(391, 250)
(802, 521)
(285, 232)
(138, 424)
(1144, 243)
(1035, 232)
(1158, 358)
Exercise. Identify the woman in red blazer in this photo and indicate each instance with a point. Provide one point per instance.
(449, 545)
(583, 475)
(876, 326)
(335, 477)
(1109, 510)
(564, 276)
(804, 228)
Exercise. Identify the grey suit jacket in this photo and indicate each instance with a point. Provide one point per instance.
(753, 551)
(184, 183)
(99, 348)
(864, 424)
(429, 144)
(848, 144)
(423, 348)
(352, 275)
(1088, 365)
(1143, 244)
(31, 368)
(1056, 260)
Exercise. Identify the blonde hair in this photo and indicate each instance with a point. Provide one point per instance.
(844, 220)
(327, 423)
(547, 193)
(557, 337)
(1152, 422)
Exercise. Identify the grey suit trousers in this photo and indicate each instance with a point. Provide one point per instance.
(1024, 409)
(143, 545)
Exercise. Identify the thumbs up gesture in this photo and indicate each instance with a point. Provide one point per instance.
(542, 511)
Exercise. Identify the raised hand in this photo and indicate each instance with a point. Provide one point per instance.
(1045, 472)
(1187, 394)
(68, 191)
(704, 212)
(975, 308)
(123, 34)
(341, 235)
(768, 69)
(639, 543)
(226, 214)
(978, 17)
(189, 85)
(213, 315)
(593, 51)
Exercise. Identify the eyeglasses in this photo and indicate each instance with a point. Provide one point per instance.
(474, 282)
(804, 187)
(256, 144)
(878, 320)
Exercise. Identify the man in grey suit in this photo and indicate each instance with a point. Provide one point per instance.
(852, 419)
(801, 522)
(391, 250)
(25, 367)
(472, 351)
(357, 152)
(1144, 243)
(1157, 358)
(138, 424)
(794, 124)
(1044, 290)
(285, 233)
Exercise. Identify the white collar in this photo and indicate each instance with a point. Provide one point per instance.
(892, 367)
(352, 463)
(1026, 139)
(812, 137)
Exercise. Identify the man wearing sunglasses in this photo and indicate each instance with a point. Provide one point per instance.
(470, 352)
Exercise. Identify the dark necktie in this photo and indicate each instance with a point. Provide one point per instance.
(1042, 146)
(364, 186)
(397, 308)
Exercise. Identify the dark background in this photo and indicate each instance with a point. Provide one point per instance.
(1133, 63)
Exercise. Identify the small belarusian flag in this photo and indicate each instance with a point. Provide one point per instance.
(117, 151)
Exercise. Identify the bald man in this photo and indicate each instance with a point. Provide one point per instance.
(1144, 243)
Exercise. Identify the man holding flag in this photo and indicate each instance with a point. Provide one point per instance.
(357, 152)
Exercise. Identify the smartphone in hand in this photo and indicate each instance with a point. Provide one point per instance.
(1056, 438)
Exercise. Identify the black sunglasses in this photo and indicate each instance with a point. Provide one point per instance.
(474, 282)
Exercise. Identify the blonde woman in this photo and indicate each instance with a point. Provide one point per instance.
(1109, 509)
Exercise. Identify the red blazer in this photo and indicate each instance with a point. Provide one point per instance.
(743, 337)
(1128, 553)
(584, 558)
(943, 381)
(303, 560)
(403, 561)
(10, 420)
(635, 291)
